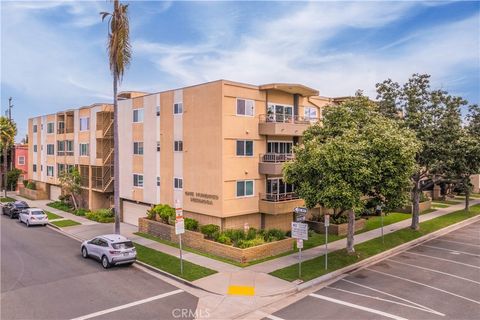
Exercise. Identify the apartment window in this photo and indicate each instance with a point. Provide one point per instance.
(245, 148)
(138, 148)
(49, 171)
(245, 188)
(50, 127)
(279, 147)
(158, 181)
(245, 107)
(177, 108)
(34, 148)
(177, 183)
(34, 168)
(84, 124)
(70, 167)
(69, 147)
(178, 145)
(60, 168)
(158, 111)
(84, 149)
(21, 160)
(158, 146)
(279, 113)
(50, 149)
(60, 148)
(34, 128)
(137, 115)
(61, 127)
(310, 113)
(138, 180)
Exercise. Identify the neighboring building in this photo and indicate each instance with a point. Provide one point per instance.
(475, 180)
(217, 148)
(82, 138)
(21, 161)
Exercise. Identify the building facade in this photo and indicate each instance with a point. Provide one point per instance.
(216, 149)
(81, 138)
(21, 161)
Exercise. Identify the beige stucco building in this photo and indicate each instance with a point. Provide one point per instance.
(216, 148)
(78, 137)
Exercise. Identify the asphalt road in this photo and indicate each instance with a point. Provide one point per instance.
(439, 279)
(43, 276)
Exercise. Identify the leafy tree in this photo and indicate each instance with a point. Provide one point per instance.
(70, 182)
(356, 155)
(12, 178)
(119, 55)
(8, 131)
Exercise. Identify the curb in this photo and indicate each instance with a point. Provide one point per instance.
(381, 256)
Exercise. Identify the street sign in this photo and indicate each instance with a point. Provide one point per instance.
(178, 214)
(300, 243)
(326, 221)
(179, 227)
(300, 230)
(300, 210)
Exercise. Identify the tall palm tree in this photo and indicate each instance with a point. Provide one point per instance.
(119, 55)
(8, 131)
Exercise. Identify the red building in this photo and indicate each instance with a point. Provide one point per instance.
(21, 161)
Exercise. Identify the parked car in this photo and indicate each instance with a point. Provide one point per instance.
(110, 249)
(12, 209)
(33, 216)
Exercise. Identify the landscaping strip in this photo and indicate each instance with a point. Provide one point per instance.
(6, 199)
(52, 216)
(171, 264)
(338, 259)
(65, 223)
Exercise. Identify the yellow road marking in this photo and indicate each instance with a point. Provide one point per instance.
(241, 290)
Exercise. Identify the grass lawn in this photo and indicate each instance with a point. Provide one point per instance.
(60, 206)
(318, 239)
(6, 199)
(51, 215)
(449, 202)
(338, 259)
(65, 223)
(171, 264)
(439, 205)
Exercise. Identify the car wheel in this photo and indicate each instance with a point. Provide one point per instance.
(84, 253)
(12, 216)
(28, 224)
(105, 263)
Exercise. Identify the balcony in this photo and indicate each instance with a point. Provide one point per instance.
(272, 163)
(279, 203)
(283, 124)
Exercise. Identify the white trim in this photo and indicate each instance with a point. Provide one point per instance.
(244, 115)
(133, 180)
(18, 160)
(244, 196)
(53, 123)
(80, 124)
(173, 106)
(133, 117)
(244, 148)
(178, 178)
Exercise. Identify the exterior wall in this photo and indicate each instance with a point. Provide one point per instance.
(22, 151)
(475, 180)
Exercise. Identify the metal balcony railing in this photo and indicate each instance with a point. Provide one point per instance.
(278, 197)
(276, 157)
(285, 118)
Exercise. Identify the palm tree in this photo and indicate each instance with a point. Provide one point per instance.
(119, 55)
(8, 131)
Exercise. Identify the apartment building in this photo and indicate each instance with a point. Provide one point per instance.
(217, 149)
(81, 138)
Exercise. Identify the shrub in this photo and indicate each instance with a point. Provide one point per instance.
(273, 235)
(101, 215)
(223, 238)
(251, 234)
(250, 243)
(191, 224)
(235, 234)
(31, 185)
(25, 183)
(209, 230)
(80, 212)
(60, 205)
(424, 197)
(164, 211)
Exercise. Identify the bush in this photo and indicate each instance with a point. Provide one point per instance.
(164, 211)
(273, 235)
(101, 215)
(235, 234)
(31, 185)
(191, 224)
(223, 238)
(60, 205)
(25, 183)
(424, 197)
(251, 234)
(80, 212)
(209, 230)
(250, 243)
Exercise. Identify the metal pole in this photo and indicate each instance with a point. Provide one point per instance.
(181, 255)
(300, 263)
(326, 247)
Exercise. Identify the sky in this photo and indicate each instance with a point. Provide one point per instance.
(53, 54)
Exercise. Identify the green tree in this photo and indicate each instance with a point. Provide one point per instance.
(119, 56)
(12, 178)
(355, 155)
(70, 182)
(8, 131)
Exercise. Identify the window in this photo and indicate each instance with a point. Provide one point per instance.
(34, 128)
(34, 168)
(69, 147)
(138, 115)
(158, 146)
(60, 168)
(310, 113)
(245, 107)
(245, 148)
(138, 180)
(70, 167)
(178, 145)
(138, 148)
(158, 111)
(50, 127)
(21, 160)
(50, 149)
(279, 113)
(245, 188)
(177, 108)
(49, 171)
(177, 183)
(60, 148)
(61, 127)
(84, 149)
(34, 148)
(84, 124)
(279, 147)
(158, 181)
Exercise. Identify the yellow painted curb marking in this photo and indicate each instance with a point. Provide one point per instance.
(241, 290)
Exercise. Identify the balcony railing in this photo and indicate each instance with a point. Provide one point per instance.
(284, 118)
(276, 157)
(278, 197)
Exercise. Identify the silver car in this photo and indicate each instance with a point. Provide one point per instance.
(110, 249)
(33, 216)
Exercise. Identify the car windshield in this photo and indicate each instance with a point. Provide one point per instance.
(38, 213)
(122, 245)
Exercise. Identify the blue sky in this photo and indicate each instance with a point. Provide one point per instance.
(53, 53)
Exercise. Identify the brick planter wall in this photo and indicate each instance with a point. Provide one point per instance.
(337, 229)
(423, 206)
(197, 241)
(33, 194)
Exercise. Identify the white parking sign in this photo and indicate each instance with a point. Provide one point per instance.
(300, 230)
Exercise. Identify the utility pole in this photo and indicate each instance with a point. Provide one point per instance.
(10, 106)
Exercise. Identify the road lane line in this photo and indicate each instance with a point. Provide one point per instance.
(128, 305)
(269, 316)
(386, 300)
(445, 249)
(433, 270)
(392, 295)
(459, 242)
(425, 285)
(356, 306)
(442, 259)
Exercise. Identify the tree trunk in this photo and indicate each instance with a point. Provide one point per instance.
(467, 194)
(116, 158)
(74, 201)
(5, 168)
(350, 231)
(416, 205)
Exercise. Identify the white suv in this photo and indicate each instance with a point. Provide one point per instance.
(110, 249)
(33, 216)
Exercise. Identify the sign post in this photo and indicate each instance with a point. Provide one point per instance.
(300, 214)
(381, 215)
(299, 232)
(326, 223)
(179, 229)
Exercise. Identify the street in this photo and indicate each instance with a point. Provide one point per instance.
(43, 276)
(437, 279)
